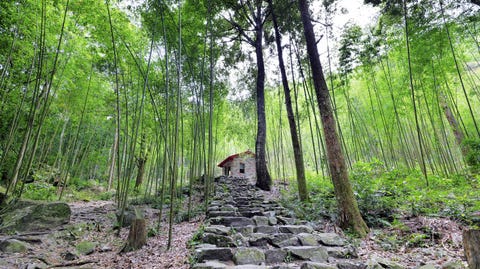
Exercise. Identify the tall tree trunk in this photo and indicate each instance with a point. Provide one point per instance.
(297, 150)
(264, 181)
(349, 214)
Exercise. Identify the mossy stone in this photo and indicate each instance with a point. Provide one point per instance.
(13, 246)
(86, 247)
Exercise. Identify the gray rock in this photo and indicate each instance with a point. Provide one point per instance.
(246, 231)
(259, 239)
(284, 240)
(266, 229)
(249, 266)
(330, 239)
(315, 254)
(341, 252)
(285, 221)
(232, 221)
(218, 229)
(128, 217)
(272, 221)
(453, 265)
(68, 256)
(316, 265)
(205, 246)
(351, 265)
(260, 220)
(218, 240)
(427, 266)
(295, 229)
(221, 254)
(210, 265)
(36, 266)
(213, 214)
(307, 239)
(383, 263)
(35, 216)
(252, 256)
(275, 256)
(13, 246)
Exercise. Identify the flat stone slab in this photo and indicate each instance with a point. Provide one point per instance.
(317, 265)
(342, 252)
(213, 214)
(218, 240)
(284, 220)
(245, 230)
(266, 229)
(307, 253)
(253, 256)
(259, 239)
(351, 265)
(331, 239)
(220, 254)
(307, 239)
(232, 221)
(210, 265)
(218, 229)
(284, 240)
(295, 229)
(275, 255)
(260, 220)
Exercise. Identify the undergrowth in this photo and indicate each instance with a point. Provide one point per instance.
(384, 195)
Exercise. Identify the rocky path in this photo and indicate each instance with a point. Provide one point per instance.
(244, 230)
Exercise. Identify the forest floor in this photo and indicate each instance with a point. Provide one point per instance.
(417, 241)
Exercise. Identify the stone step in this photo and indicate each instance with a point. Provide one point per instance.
(246, 231)
(232, 221)
(213, 214)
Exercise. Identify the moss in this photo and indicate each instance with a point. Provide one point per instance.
(85, 247)
(13, 246)
(34, 216)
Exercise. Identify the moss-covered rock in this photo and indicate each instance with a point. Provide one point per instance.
(248, 256)
(85, 247)
(13, 246)
(29, 216)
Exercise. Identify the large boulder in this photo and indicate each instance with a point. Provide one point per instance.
(35, 216)
(13, 246)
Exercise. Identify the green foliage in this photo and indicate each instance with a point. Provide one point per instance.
(152, 232)
(472, 157)
(40, 190)
(384, 195)
(322, 200)
(85, 247)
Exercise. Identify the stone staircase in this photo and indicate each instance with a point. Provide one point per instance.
(244, 230)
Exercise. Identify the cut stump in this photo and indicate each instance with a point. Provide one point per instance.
(471, 245)
(137, 237)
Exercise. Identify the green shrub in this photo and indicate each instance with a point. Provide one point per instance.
(472, 157)
(39, 190)
(384, 195)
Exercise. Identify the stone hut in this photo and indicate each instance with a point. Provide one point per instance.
(240, 165)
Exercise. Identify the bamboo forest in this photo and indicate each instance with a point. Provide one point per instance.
(209, 134)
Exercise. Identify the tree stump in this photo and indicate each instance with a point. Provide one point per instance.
(471, 245)
(137, 237)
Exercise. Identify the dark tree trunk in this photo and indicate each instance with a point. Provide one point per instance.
(452, 121)
(263, 177)
(137, 237)
(141, 161)
(471, 244)
(297, 149)
(349, 214)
